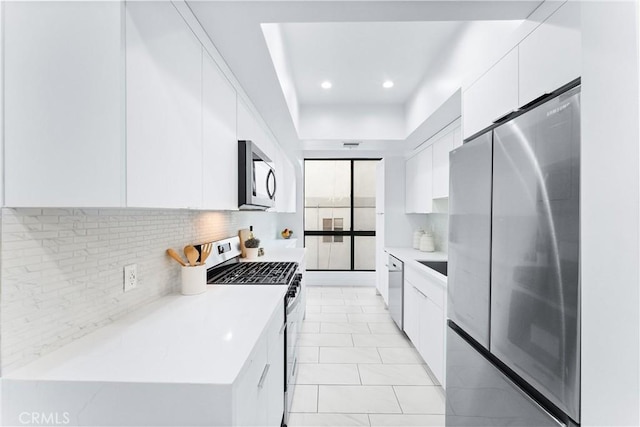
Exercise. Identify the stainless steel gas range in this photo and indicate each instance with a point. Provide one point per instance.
(224, 267)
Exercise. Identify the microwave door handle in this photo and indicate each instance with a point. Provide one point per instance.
(271, 193)
(253, 179)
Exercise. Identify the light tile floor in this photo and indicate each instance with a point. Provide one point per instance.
(356, 368)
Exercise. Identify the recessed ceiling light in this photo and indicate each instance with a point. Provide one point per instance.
(387, 84)
(326, 85)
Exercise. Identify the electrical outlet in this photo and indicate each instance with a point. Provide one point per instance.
(130, 277)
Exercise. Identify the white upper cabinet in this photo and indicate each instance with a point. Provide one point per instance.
(492, 96)
(411, 174)
(249, 129)
(551, 56)
(545, 60)
(63, 104)
(219, 142)
(164, 108)
(441, 149)
(285, 183)
(419, 182)
(457, 137)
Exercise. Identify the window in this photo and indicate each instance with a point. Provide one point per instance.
(340, 214)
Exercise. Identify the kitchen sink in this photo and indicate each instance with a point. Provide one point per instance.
(439, 266)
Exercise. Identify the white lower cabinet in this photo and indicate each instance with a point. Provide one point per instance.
(425, 318)
(258, 393)
(431, 335)
(411, 317)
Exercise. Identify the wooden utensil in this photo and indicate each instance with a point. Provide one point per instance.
(173, 254)
(192, 254)
(205, 251)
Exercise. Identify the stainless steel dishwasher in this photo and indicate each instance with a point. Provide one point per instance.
(396, 290)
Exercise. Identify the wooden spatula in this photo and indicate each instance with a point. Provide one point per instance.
(205, 251)
(173, 254)
(192, 254)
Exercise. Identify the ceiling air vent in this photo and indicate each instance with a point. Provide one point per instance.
(350, 145)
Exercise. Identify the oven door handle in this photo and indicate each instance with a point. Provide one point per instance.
(265, 371)
(296, 301)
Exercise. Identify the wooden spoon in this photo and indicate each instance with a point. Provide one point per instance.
(192, 254)
(205, 251)
(173, 254)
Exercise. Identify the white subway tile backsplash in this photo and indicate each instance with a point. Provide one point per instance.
(62, 268)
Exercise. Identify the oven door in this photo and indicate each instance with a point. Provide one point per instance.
(294, 322)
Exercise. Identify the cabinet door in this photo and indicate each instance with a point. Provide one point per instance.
(382, 271)
(285, 183)
(410, 184)
(274, 390)
(419, 182)
(219, 143)
(249, 400)
(164, 108)
(411, 317)
(423, 189)
(63, 104)
(551, 56)
(431, 336)
(457, 137)
(492, 96)
(249, 129)
(290, 186)
(441, 149)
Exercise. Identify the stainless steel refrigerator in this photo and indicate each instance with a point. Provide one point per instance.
(513, 341)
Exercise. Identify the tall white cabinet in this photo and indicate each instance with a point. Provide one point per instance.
(392, 226)
(382, 269)
(64, 99)
(164, 87)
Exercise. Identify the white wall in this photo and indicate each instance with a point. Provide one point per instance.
(351, 122)
(62, 269)
(610, 214)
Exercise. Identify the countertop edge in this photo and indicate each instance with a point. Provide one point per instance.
(411, 256)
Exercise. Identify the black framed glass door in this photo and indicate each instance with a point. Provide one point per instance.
(339, 214)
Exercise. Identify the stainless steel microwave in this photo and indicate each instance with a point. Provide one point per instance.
(256, 178)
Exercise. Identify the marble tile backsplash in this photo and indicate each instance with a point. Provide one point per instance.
(62, 269)
(439, 224)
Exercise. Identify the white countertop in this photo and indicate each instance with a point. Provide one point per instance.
(411, 256)
(199, 339)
